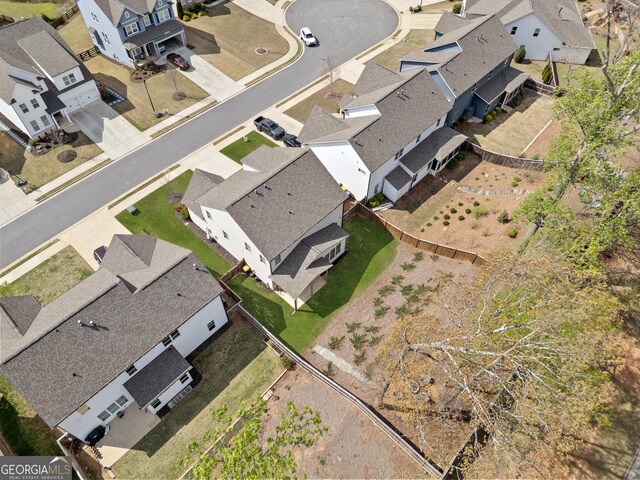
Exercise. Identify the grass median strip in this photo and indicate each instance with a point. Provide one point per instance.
(224, 137)
(144, 185)
(75, 179)
(184, 119)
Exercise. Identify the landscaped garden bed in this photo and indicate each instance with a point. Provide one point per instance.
(469, 207)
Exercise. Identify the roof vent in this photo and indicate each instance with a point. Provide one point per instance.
(81, 323)
(92, 323)
(195, 267)
(290, 212)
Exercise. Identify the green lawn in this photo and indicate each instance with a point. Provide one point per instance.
(321, 98)
(27, 9)
(236, 367)
(156, 216)
(25, 432)
(239, 149)
(370, 251)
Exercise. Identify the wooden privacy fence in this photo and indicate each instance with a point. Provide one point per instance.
(62, 19)
(87, 54)
(504, 160)
(419, 243)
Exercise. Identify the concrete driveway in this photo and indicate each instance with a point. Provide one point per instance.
(205, 75)
(107, 129)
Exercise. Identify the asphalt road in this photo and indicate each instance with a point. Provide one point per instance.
(344, 28)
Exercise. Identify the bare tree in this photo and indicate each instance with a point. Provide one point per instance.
(332, 70)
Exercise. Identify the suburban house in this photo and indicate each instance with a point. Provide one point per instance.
(542, 27)
(388, 136)
(470, 61)
(115, 343)
(132, 32)
(281, 214)
(41, 80)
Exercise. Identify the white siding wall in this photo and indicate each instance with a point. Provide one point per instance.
(170, 392)
(344, 165)
(221, 221)
(8, 111)
(377, 177)
(538, 48)
(192, 334)
(59, 83)
(363, 111)
(23, 94)
(114, 48)
(80, 97)
(334, 217)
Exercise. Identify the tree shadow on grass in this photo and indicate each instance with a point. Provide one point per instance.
(20, 432)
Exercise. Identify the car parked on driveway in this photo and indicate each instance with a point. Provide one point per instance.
(307, 37)
(179, 61)
(290, 140)
(268, 126)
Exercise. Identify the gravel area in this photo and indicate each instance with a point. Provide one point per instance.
(354, 447)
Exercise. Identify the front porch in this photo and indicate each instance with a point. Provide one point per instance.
(124, 432)
(155, 42)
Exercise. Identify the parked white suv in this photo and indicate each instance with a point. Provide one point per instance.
(307, 37)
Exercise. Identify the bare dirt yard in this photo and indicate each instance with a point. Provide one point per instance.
(540, 147)
(354, 447)
(460, 207)
(412, 284)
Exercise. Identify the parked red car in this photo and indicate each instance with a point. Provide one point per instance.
(179, 61)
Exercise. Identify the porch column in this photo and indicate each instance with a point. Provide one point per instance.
(146, 50)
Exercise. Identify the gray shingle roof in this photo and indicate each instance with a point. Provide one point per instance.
(304, 264)
(114, 9)
(61, 369)
(398, 178)
(147, 384)
(484, 44)
(18, 313)
(152, 32)
(201, 182)
(506, 81)
(561, 16)
(13, 54)
(437, 145)
(321, 126)
(448, 22)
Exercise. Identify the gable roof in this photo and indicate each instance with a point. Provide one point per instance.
(278, 197)
(406, 109)
(34, 46)
(114, 9)
(63, 364)
(483, 44)
(321, 126)
(561, 16)
(201, 182)
(18, 313)
(449, 22)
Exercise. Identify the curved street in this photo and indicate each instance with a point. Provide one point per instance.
(344, 29)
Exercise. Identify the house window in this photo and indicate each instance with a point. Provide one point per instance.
(209, 216)
(126, 14)
(211, 325)
(514, 30)
(156, 403)
(175, 334)
(338, 248)
(163, 15)
(147, 20)
(131, 370)
(399, 154)
(131, 29)
(536, 32)
(247, 247)
(104, 415)
(225, 234)
(34, 102)
(45, 120)
(332, 254)
(166, 341)
(69, 79)
(418, 138)
(105, 37)
(95, 17)
(113, 408)
(34, 125)
(122, 400)
(262, 259)
(277, 260)
(23, 107)
(184, 378)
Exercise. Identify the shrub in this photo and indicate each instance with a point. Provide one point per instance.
(194, 16)
(378, 302)
(180, 9)
(434, 257)
(453, 210)
(406, 290)
(546, 74)
(402, 310)
(435, 217)
(513, 232)
(329, 370)
(407, 266)
(418, 256)
(457, 7)
(504, 218)
(358, 358)
(386, 290)
(518, 57)
(498, 110)
(187, 18)
(374, 340)
(467, 211)
(335, 342)
(517, 178)
(358, 341)
(184, 213)
(381, 311)
(372, 329)
(352, 327)
(445, 223)
(447, 217)
(476, 204)
(479, 211)
(460, 204)
(286, 362)
(200, 13)
(494, 113)
(488, 118)
(514, 183)
(461, 217)
(397, 279)
(428, 225)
